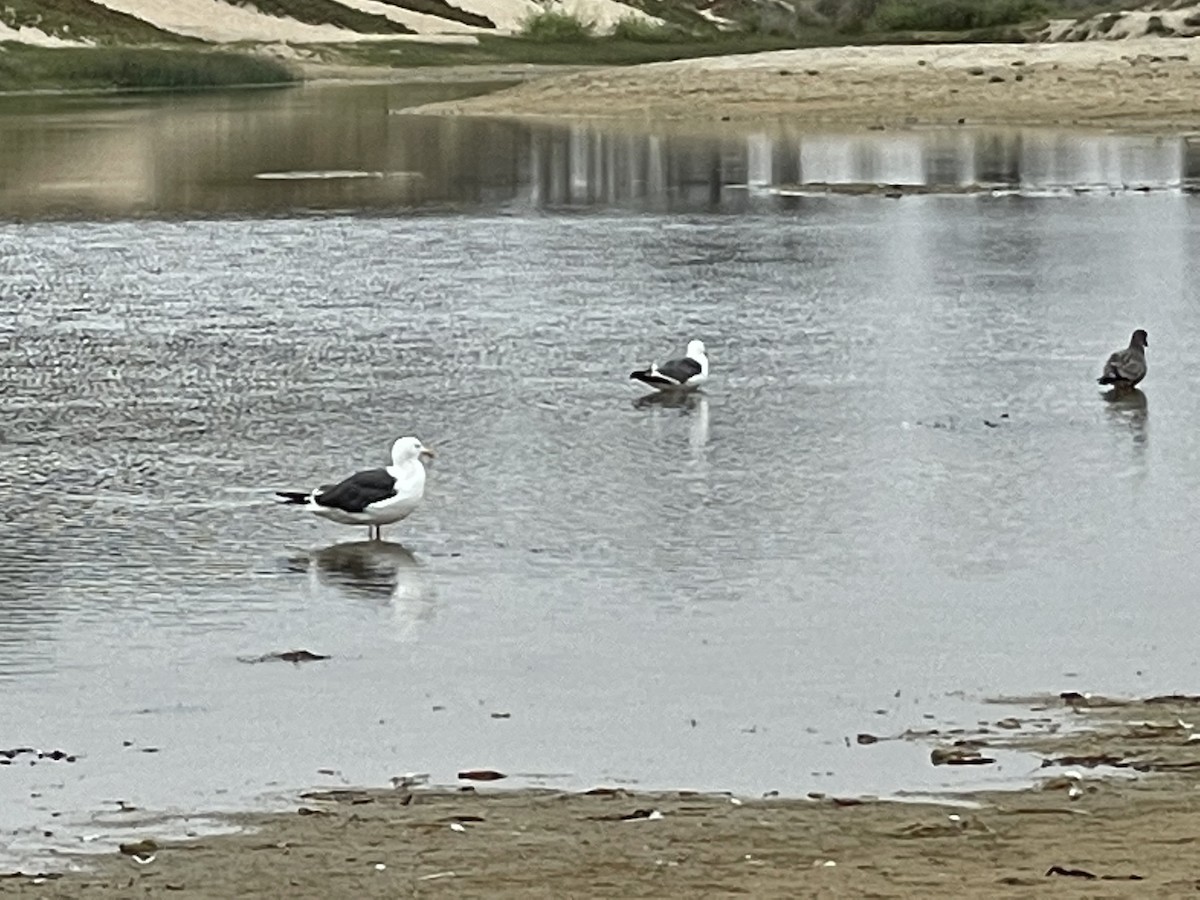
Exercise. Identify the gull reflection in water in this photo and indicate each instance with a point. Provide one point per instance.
(381, 571)
(693, 404)
(669, 400)
(698, 431)
(1129, 408)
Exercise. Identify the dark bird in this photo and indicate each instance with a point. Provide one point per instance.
(1127, 367)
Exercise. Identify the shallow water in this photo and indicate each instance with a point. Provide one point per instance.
(830, 540)
(331, 148)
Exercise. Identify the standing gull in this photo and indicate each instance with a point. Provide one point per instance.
(685, 374)
(1127, 367)
(375, 497)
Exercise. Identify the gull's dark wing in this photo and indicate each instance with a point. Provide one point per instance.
(358, 491)
(680, 370)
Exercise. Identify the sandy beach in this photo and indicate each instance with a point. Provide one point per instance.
(1112, 813)
(1138, 84)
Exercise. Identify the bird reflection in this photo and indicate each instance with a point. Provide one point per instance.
(698, 432)
(382, 571)
(670, 400)
(1129, 407)
(694, 405)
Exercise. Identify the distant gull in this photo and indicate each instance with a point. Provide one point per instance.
(685, 374)
(375, 497)
(1127, 367)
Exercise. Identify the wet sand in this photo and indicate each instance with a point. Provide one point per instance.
(1138, 84)
(1124, 830)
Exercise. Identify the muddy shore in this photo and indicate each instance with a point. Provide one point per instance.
(1138, 84)
(1114, 813)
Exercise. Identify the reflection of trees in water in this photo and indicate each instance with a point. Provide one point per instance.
(203, 154)
(209, 153)
(996, 158)
(1191, 161)
(594, 164)
(585, 165)
(588, 164)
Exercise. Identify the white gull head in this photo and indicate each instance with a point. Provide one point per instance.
(407, 449)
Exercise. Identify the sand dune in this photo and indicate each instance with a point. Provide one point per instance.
(422, 23)
(33, 36)
(223, 21)
(1137, 83)
(212, 20)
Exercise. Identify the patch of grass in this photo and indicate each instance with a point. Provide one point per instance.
(77, 19)
(623, 48)
(634, 29)
(444, 10)
(847, 16)
(953, 15)
(684, 16)
(551, 27)
(497, 49)
(129, 68)
(328, 12)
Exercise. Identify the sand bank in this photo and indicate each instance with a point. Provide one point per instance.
(1088, 828)
(1145, 83)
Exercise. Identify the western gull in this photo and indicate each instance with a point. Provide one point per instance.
(1127, 367)
(375, 497)
(684, 374)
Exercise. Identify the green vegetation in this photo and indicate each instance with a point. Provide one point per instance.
(632, 28)
(953, 15)
(940, 20)
(685, 16)
(494, 50)
(73, 18)
(443, 9)
(327, 12)
(551, 27)
(24, 68)
(547, 38)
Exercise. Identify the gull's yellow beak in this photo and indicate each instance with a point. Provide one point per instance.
(426, 451)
